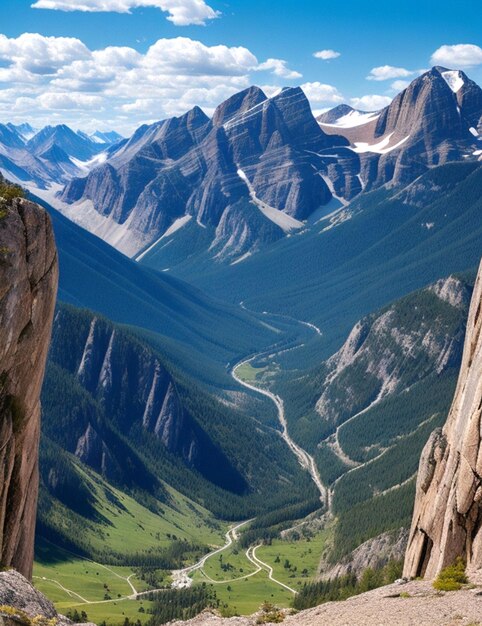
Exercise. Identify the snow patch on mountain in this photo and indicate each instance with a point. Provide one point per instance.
(284, 221)
(454, 79)
(353, 118)
(176, 225)
(382, 147)
(241, 258)
(331, 187)
(86, 166)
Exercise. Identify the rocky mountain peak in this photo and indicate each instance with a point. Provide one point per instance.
(331, 116)
(238, 104)
(427, 105)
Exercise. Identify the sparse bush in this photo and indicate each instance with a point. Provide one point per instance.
(9, 192)
(451, 578)
(23, 618)
(270, 614)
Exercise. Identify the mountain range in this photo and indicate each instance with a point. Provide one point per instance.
(51, 155)
(250, 306)
(260, 169)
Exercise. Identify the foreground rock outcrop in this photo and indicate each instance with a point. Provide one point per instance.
(28, 285)
(447, 520)
(20, 602)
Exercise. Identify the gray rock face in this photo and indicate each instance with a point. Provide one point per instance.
(94, 452)
(28, 285)
(447, 519)
(429, 123)
(381, 345)
(18, 593)
(189, 166)
(126, 379)
(374, 553)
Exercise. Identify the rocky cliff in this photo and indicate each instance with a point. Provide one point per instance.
(28, 284)
(447, 520)
(433, 121)
(110, 390)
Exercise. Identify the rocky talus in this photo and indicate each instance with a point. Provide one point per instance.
(28, 284)
(447, 520)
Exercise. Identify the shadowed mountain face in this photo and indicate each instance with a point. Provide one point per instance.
(129, 394)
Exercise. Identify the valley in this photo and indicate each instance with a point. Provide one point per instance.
(306, 461)
(260, 323)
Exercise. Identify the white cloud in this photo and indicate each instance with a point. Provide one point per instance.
(372, 102)
(69, 101)
(41, 55)
(326, 55)
(400, 85)
(53, 78)
(385, 72)
(279, 68)
(180, 12)
(186, 56)
(320, 93)
(459, 55)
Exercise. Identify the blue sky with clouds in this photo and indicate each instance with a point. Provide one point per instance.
(117, 63)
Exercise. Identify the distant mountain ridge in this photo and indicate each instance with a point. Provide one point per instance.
(260, 159)
(51, 155)
(260, 169)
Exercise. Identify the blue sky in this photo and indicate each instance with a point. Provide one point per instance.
(118, 69)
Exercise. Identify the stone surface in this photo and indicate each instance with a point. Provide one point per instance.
(18, 593)
(131, 390)
(426, 124)
(380, 344)
(420, 605)
(374, 553)
(447, 520)
(28, 284)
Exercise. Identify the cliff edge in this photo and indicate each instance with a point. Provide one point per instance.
(28, 286)
(447, 519)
